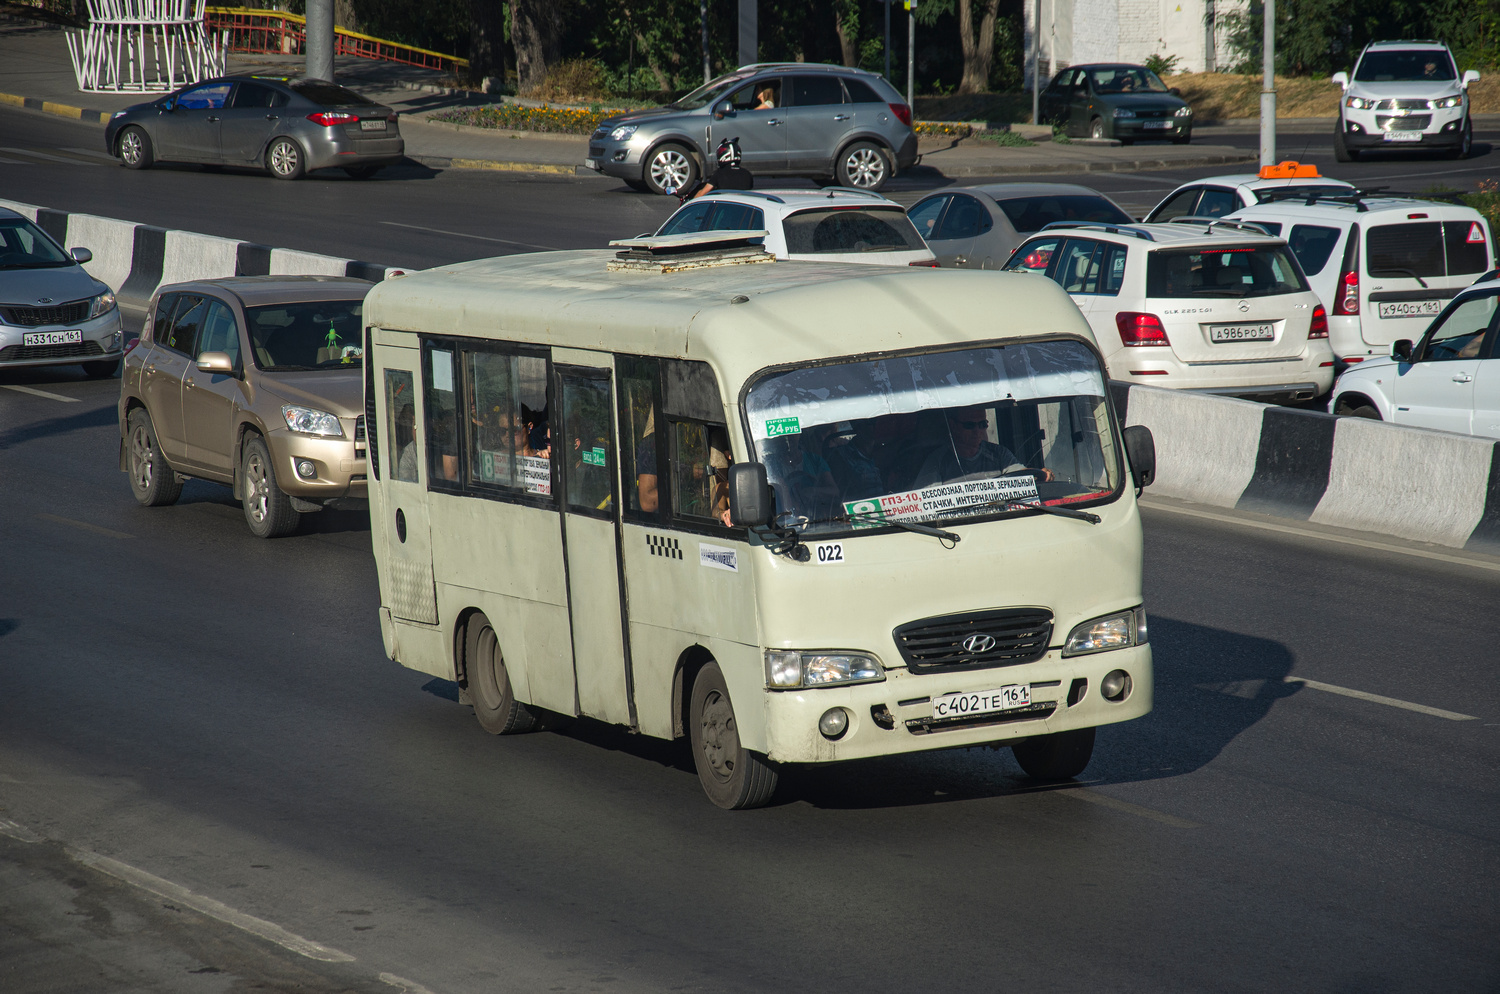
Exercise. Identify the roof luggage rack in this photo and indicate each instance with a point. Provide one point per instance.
(1210, 223)
(1356, 198)
(693, 250)
(1114, 229)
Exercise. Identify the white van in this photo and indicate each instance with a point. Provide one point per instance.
(792, 512)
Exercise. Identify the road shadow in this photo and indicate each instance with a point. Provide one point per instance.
(99, 417)
(8, 625)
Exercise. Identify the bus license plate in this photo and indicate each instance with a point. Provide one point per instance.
(52, 338)
(1241, 332)
(1410, 308)
(372, 125)
(982, 702)
(1403, 136)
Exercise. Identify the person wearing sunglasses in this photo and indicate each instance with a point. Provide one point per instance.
(969, 454)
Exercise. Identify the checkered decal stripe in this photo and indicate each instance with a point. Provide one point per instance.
(663, 545)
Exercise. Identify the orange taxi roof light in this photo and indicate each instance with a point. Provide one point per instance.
(1290, 169)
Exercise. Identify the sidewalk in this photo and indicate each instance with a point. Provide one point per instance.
(36, 73)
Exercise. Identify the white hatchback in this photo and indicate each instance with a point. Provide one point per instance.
(1448, 380)
(1382, 266)
(1197, 304)
(830, 225)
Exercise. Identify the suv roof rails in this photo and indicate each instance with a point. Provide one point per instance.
(816, 66)
(1210, 223)
(1358, 199)
(747, 193)
(829, 191)
(692, 250)
(1114, 229)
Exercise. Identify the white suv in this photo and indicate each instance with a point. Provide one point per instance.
(1382, 266)
(1448, 380)
(831, 225)
(1404, 95)
(1197, 304)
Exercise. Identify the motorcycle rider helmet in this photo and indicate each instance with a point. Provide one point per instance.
(729, 152)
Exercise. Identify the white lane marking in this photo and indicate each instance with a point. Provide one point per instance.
(1362, 543)
(96, 529)
(45, 155)
(18, 832)
(409, 986)
(1378, 699)
(15, 162)
(460, 234)
(39, 393)
(1115, 804)
(90, 153)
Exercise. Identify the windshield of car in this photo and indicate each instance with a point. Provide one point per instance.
(24, 246)
(330, 94)
(1126, 79)
(1028, 214)
(1432, 65)
(708, 92)
(319, 334)
(1230, 271)
(850, 229)
(948, 436)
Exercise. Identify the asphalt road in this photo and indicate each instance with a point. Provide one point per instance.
(215, 713)
(415, 217)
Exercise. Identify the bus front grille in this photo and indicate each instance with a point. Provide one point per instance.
(976, 640)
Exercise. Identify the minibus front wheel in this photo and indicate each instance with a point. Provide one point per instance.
(732, 776)
(1059, 756)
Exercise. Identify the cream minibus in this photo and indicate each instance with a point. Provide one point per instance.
(791, 512)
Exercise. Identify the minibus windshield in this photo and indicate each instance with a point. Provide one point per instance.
(944, 436)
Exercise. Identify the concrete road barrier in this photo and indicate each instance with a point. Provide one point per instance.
(1426, 486)
(135, 259)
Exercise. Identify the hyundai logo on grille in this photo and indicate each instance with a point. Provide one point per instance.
(44, 300)
(979, 643)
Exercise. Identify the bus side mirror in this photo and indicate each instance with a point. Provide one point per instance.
(1140, 447)
(1401, 350)
(749, 496)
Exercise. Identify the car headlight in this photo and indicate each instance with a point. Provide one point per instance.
(103, 304)
(1184, 111)
(1359, 103)
(1124, 112)
(118, 114)
(787, 669)
(1113, 631)
(308, 421)
(623, 132)
(1456, 100)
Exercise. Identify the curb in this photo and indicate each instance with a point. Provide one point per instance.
(60, 110)
(1367, 476)
(498, 165)
(1108, 166)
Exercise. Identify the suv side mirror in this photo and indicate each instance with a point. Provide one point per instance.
(1401, 350)
(1140, 447)
(216, 362)
(1470, 76)
(723, 110)
(1174, 91)
(749, 495)
(81, 255)
(1341, 78)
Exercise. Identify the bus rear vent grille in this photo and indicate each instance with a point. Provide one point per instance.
(697, 250)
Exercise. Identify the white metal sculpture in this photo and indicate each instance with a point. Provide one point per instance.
(144, 46)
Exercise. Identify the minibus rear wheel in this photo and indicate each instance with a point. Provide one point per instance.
(495, 703)
(1059, 756)
(732, 776)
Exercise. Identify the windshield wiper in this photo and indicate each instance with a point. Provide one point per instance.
(1065, 512)
(1396, 271)
(798, 525)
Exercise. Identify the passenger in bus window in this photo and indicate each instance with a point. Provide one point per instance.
(440, 436)
(538, 432)
(719, 460)
(646, 495)
(406, 443)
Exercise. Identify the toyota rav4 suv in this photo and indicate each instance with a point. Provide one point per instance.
(1404, 95)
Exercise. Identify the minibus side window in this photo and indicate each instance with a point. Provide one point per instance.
(400, 408)
(506, 431)
(442, 418)
(639, 384)
(700, 471)
(586, 430)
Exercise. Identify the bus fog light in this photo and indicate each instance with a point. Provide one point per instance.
(1115, 686)
(834, 723)
(306, 469)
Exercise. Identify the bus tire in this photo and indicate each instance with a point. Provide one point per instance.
(495, 703)
(732, 776)
(1059, 756)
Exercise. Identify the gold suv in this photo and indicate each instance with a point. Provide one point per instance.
(255, 382)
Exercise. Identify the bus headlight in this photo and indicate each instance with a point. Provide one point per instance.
(1113, 631)
(787, 669)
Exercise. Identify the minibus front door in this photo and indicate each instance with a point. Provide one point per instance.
(399, 514)
(583, 438)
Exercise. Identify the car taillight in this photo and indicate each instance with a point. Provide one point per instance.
(130, 345)
(1140, 329)
(1346, 299)
(902, 112)
(1319, 326)
(929, 263)
(328, 118)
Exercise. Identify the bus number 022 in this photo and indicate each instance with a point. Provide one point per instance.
(829, 553)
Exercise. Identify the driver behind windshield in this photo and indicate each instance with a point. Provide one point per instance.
(971, 454)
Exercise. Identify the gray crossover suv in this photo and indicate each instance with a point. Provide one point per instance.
(832, 124)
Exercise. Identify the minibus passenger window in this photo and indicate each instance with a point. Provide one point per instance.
(586, 426)
(401, 415)
(639, 384)
(442, 417)
(507, 407)
(700, 466)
